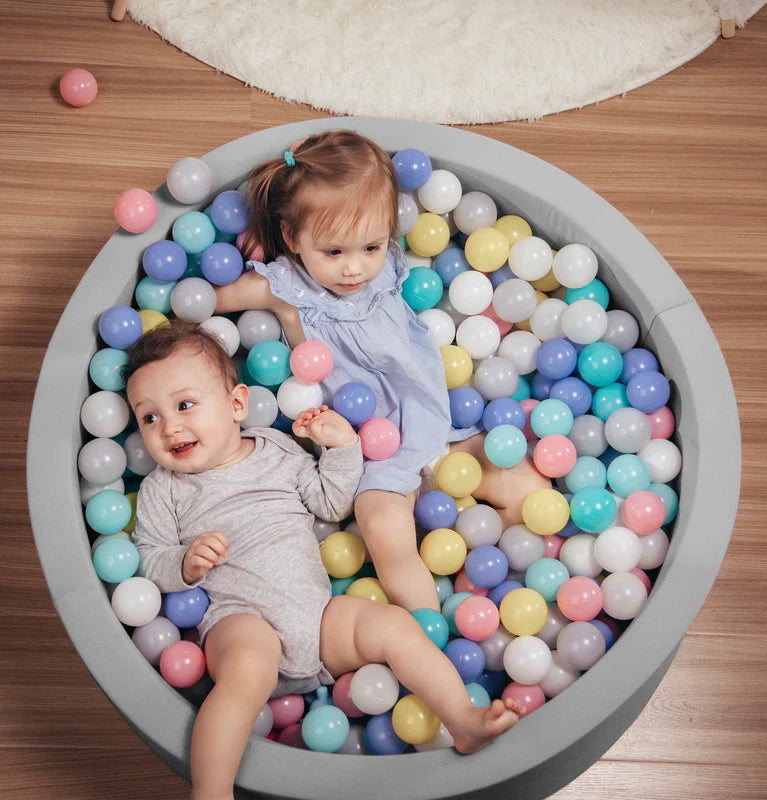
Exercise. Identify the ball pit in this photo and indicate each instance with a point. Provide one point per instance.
(540, 754)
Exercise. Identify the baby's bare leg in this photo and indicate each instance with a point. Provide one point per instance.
(504, 488)
(243, 654)
(388, 529)
(356, 631)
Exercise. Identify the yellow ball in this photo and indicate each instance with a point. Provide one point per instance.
(458, 474)
(458, 365)
(412, 720)
(487, 249)
(132, 521)
(342, 554)
(443, 551)
(547, 283)
(523, 612)
(369, 589)
(462, 503)
(513, 227)
(545, 511)
(151, 319)
(429, 235)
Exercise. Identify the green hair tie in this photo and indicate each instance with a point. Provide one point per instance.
(290, 159)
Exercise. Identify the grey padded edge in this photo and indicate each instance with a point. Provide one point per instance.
(552, 746)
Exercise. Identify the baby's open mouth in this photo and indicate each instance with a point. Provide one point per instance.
(183, 449)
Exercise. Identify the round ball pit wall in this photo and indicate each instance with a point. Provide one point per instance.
(550, 747)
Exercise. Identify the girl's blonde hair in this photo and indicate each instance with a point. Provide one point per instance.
(339, 178)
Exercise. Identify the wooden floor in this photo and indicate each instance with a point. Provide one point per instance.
(683, 158)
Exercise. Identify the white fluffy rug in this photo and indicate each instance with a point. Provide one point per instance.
(449, 61)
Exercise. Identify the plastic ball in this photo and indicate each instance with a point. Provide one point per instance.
(407, 213)
(413, 721)
(560, 675)
(575, 265)
(595, 290)
(643, 512)
(355, 402)
(555, 621)
(463, 584)
(527, 659)
(587, 472)
(135, 210)
(294, 396)
(545, 576)
(449, 263)
(311, 361)
(623, 595)
(374, 689)
(380, 438)
(579, 598)
(435, 509)
(151, 639)
(521, 348)
(221, 263)
(422, 288)
(593, 509)
(105, 369)
(342, 554)
(554, 455)
(136, 600)
(78, 87)
(523, 611)
(257, 325)
(269, 362)
(531, 696)
(617, 549)
(503, 411)
(514, 300)
(441, 326)
(457, 364)
(182, 664)
(458, 474)
(584, 321)
(193, 300)
(486, 566)
(530, 258)
(588, 435)
(663, 458)
(627, 430)
(429, 236)
(514, 227)
(164, 261)
(101, 461)
(189, 180)
(648, 391)
(104, 414)
(546, 319)
(636, 360)
(441, 193)
(120, 327)
(495, 377)
(466, 406)
(434, 625)
(139, 460)
(151, 319)
(225, 331)
(108, 511)
(476, 210)
(627, 474)
(478, 336)
(556, 358)
(622, 330)
(551, 417)
(229, 212)
(443, 551)
(600, 363)
(187, 607)
(662, 423)
(380, 737)
(607, 399)
(412, 167)
(193, 231)
(264, 722)
(479, 525)
(115, 560)
(493, 647)
(467, 657)
(654, 549)
(471, 292)
(153, 294)
(545, 511)
(286, 710)
(487, 249)
(521, 546)
(369, 589)
(342, 696)
(574, 392)
(325, 728)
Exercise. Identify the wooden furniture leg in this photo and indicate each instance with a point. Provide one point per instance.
(118, 9)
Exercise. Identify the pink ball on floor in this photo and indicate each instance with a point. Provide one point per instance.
(380, 438)
(477, 618)
(78, 87)
(554, 455)
(643, 512)
(529, 694)
(182, 664)
(135, 210)
(311, 361)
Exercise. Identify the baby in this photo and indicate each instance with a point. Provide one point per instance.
(232, 511)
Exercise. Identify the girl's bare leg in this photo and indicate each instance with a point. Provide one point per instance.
(388, 529)
(243, 654)
(356, 631)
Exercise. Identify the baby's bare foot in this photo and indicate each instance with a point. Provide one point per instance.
(481, 727)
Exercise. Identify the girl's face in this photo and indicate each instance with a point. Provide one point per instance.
(188, 419)
(343, 262)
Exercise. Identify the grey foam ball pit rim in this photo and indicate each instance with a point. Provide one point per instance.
(545, 750)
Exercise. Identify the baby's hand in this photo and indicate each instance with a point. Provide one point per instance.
(325, 428)
(206, 551)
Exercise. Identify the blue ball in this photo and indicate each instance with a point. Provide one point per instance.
(502, 589)
(628, 473)
(325, 728)
(670, 499)
(108, 511)
(193, 231)
(522, 392)
(595, 290)
(486, 566)
(120, 327)
(505, 445)
(593, 509)
(269, 362)
(540, 386)
(545, 576)
(449, 263)
(493, 681)
(444, 587)
(154, 294)
(164, 261)
(556, 358)
(498, 276)
(467, 657)
(185, 609)
(636, 360)
(115, 559)
(435, 509)
(606, 632)
(221, 263)
(434, 625)
(588, 472)
(600, 363)
(648, 390)
(422, 288)
(105, 369)
(478, 695)
(575, 393)
(229, 212)
(503, 411)
(355, 402)
(448, 609)
(466, 406)
(551, 416)
(609, 398)
(413, 168)
(381, 738)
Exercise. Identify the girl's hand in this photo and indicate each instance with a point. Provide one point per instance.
(325, 428)
(207, 550)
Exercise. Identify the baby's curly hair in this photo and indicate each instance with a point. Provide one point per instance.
(161, 342)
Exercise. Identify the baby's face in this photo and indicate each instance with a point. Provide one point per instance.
(188, 418)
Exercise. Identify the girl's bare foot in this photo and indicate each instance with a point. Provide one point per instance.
(484, 724)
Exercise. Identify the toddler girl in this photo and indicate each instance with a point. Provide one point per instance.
(325, 215)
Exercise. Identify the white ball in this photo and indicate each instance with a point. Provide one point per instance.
(225, 331)
(264, 722)
(628, 430)
(617, 549)
(470, 292)
(520, 348)
(102, 537)
(193, 299)
(479, 336)
(407, 213)
(104, 414)
(546, 319)
(479, 525)
(575, 265)
(295, 396)
(622, 330)
(441, 193)
(322, 528)
(514, 300)
(136, 601)
(527, 659)
(442, 740)
(189, 180)
(495, 377)
(654, 549)
(101, 461)
(521, 546)
(138, 458)
(440, 324)
(151, 639)
(663, 458)
(588, 435)
(584, 321)
(559, 677)
(374, 689)
(581, 645)
(88, 489)
(555, 621)
(530, 258)
(257, 325)
(623, 594)
(475, 210)
(577, 554)
(262, 408)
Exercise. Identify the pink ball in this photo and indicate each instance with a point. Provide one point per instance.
(530, 695)
(343, 699)
(379, 437)
(528, 404)
(286, 710)
(311, 361)
(463, 584)
(292, 736)
(256, 253)
(182, 664)
(552, 545)
(135, 210)
(642, 575)
(662, 423)
(477, 618)
(580, 598)
(503, 326)
(78, 87)
(643, 512)
(554, 455)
